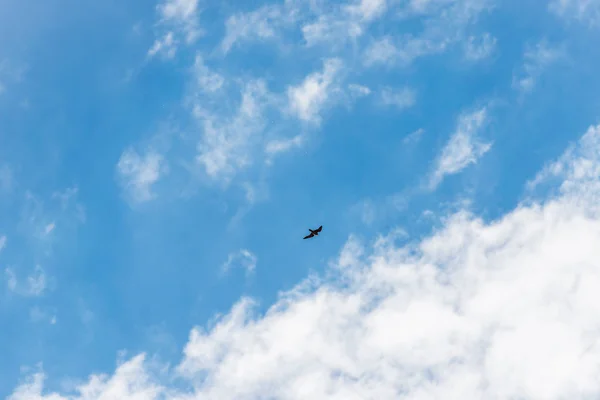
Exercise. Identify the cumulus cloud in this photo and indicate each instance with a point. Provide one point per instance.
(138, 173)
(463, 148)
(500, 309)
(312, 95)
(535, 60)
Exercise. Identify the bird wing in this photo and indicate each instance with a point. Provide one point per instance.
(308, 236)
(319, 228)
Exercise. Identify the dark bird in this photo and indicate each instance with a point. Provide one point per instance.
(314, 233)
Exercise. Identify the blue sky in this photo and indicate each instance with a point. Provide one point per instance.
(161, 162)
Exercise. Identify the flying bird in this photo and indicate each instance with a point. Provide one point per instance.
(313, 233)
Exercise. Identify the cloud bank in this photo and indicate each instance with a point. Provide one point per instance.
(498, 310)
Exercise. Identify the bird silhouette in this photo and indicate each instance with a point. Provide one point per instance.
(314, 233)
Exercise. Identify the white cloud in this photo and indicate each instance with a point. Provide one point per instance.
(312, 95)
(578, 168)
(243, 258)
(535, 60)
(357, 90)
(167, 45)
(463, 148)
(131, 381)
(207, 80)
(282, 145)
(477, 310)
(343, 22)
(35, 284)
(587, 11)
(479, 48)
(414, 136)
(179, 17)
(398, 98)
(2, 242)
(49, 228)
(261, 24)
(183, 13)
(138, 173)
(444, 23)
(381, 51)
(228, 142)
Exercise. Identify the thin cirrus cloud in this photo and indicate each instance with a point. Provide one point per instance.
(398, 98)
(138, 173)
(444, 24)
(478, 48)
(261, 24)
(463, 148)
(499, 309)
(536, 59)
(343, 22)
(307, 99)
(176, 18)
(230, 139)
(243, 258)
(34, 285)
(587, 11)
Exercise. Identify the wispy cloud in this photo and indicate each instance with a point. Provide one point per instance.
(137, 173)
(34, 285)
(261, 24)
(243, 258)
(586, 11)
(206, 79)
(535, 60)
(166, 45)
(463, 148)
(398, 98)
(308, 99)
(414, 136)
(2, 242)
(343, 22)
(229, 142)
(444, 23)
(480, 47)
(577, 168)
(282, 145)
(49, 228)
(176, 18)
